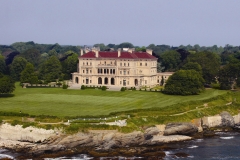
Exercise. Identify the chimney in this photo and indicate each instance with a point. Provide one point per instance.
(86, 50)
(119, 52)
(130, 50)
(96, 50)
(149, 51)
(81, 52)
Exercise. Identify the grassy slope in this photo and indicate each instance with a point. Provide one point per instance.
(59, 102)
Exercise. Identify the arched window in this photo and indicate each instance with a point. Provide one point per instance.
(76, 80)
(99, 80)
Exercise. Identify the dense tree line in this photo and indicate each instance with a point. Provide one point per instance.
(31, 62)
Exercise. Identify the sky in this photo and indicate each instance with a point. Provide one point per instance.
(140, 22)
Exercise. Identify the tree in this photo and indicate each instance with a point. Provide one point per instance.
(69, 65)
(52, 53)
(184, 82)
(160, 68)
(170, 60)
(17, 66)
(2, 65)
(125, 45)
(210, 63)
(162, 81)
(51, 69)
(229, 76)
(32, 56)
(143, 49)
(28, 75)
(192, 65)
(6, 85)
(101, 46)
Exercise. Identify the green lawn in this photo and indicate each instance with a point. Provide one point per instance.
(60, 102)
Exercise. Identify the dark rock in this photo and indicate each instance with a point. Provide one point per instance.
(227, 119)
(148, 134)
(181, 154)
(180, 129)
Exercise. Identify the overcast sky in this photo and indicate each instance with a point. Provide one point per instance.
(141, 22)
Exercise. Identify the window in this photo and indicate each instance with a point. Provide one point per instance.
(90, 63)
(128, 82)
(90, 71)
(120, 72)
(120, 82)
(120, 64)
(128, 64)
(87, 63)
(128, 72)
(83, 71)
(86, 71)
(140, 64)
(83, 63)
(145, 81)
(124, 64)
(83, 81)
(145, 64)
(124, 72)
(90, 81)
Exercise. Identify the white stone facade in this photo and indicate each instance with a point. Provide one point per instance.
(117, 68)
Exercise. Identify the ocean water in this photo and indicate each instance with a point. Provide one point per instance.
(225, 146)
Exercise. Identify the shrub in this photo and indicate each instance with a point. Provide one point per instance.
(122, 89)
(140, 89)
(134, 88)
(28, 124)
(104, 88)
(15, 122)
(65, 86)
(145, 89)
(83, 87)
(215, 85)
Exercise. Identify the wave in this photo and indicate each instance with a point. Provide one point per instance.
(198, 140)
(193, 146)
(6, 156)
(231, 137)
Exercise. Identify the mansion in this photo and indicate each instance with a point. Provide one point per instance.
(122, 68)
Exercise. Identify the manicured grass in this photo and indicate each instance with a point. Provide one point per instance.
(62, 102)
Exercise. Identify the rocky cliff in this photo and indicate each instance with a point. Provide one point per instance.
(39, 141)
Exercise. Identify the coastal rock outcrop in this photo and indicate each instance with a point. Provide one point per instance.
(150, 132)
(227, 119)
(180, 129)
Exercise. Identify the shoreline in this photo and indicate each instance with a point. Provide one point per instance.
(97, 143)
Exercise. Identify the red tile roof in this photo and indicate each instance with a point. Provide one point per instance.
(107, 54)
(144, 55)
(90, 54)
(114, 54)
(127, 55)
